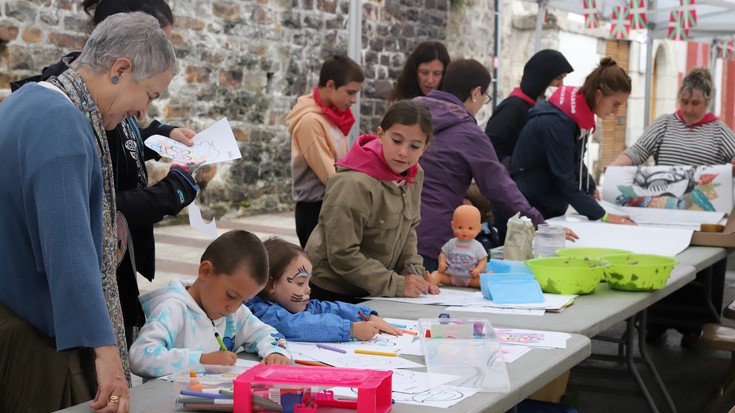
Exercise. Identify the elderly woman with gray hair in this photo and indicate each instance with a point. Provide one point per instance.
(690, 136)
(61, 330)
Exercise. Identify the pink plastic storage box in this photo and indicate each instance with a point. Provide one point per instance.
(373, 387)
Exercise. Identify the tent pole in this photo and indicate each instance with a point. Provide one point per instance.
(649, 71)
(540, 23)
(354, 51)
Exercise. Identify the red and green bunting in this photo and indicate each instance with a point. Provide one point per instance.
(688, 13)
(637, 14)
(619, 27)
(591, 18)
(677, 31)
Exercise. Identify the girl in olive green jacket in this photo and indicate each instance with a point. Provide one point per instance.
(365, 242)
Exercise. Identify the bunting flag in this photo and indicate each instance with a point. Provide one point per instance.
(637, 14)
(591, 17)
(689, 13)
(676, 30)
(619, 27)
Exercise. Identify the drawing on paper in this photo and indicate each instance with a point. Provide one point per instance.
(169, 148)
(705, 188)
(510, 337)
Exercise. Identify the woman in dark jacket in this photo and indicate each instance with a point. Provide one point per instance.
(548, 163)
(544, 69)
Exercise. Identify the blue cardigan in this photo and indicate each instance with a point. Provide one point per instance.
(322, 321)
(51, 200)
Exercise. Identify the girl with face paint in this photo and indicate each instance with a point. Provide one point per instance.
(284, 303)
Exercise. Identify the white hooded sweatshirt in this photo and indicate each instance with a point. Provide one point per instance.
(178, 332)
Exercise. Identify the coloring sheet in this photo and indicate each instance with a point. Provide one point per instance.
(212, 145)
(532, 338)
(699, 188)
(419, 388)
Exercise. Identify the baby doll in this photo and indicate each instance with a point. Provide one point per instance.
(462, 258)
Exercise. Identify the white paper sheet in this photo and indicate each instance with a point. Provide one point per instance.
(350, 358)
(551, 302)
(196, 221)
(673, 218)
(445, 297)
(512, 353)
(492, 310)
(637, 238)
(212, 145)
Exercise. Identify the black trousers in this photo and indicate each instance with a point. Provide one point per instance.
(307, 218)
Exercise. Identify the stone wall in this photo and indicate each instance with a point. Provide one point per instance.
(247, 60)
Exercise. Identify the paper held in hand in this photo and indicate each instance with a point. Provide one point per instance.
(212, 145)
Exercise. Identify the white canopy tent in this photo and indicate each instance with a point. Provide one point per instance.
(715, 20)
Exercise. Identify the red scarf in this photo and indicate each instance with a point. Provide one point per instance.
(343, 120)
(709, 117)
(366, 156)
(518, 92)
(574, 105)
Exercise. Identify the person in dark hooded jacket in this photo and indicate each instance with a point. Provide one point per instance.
(548, 161)
(544, 69)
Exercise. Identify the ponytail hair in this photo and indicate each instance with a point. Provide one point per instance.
(608, 78)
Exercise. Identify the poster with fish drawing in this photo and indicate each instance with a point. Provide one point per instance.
(698, 188)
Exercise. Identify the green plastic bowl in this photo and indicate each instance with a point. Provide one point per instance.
(590, 253)
(566, 275)
(638, 272)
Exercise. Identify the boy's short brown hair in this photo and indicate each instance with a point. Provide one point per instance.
(340, 69)
(237, 248)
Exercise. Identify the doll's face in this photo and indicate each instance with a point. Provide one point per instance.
(291, 291)
(466, 223)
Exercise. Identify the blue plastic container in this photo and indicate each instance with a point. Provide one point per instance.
(503, 266)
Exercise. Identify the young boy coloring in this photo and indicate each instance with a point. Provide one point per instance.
(284, 303)
(185, 323)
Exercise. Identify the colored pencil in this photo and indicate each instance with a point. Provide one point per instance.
(202, 394)
(413, 333)
(362, 316)
(311, 363)
(376, 353)
(326, 347)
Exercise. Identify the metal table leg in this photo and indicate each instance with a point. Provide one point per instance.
(641, 330)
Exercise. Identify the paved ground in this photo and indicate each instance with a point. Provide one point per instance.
(690, 374)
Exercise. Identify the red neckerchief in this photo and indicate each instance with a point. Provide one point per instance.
(573, 105)
(366, 156)
(709, 117)
(518, 92)
(343, 120)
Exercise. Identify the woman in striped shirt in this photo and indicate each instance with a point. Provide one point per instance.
(690, 136)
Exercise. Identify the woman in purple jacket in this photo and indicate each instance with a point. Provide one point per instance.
(460, 153)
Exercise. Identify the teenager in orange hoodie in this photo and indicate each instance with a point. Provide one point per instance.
(319, 124)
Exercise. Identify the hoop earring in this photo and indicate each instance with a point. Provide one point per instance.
(115, 79)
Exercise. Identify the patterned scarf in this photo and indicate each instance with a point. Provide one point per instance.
(132, 143)
(73, 85)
